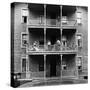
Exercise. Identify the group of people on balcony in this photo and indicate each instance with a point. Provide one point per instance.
(49, 46)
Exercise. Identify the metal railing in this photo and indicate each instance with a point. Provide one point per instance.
(67, 48)
(53, 22)
(68, 22)
(53, 48)
(41, 48)
(69, 73)
(36, 22)
(38, 48)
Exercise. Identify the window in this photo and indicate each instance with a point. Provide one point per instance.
(79, 40)
(79, 18)
(24, 15)
(23, 40)
(23, 64)
(79, 62)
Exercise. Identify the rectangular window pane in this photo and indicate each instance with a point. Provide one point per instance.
(79, 40)
(79, 20)
(24, 12)
(79, 17)
(24, 15)
(78, 14)
(23, 65)
(24, 40)
(79, 63)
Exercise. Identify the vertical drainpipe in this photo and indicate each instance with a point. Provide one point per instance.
(61, 66)
(44, 67)
(44, 26)
(61, 25)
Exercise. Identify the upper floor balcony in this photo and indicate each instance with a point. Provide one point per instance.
(40, 22)
(51, 16)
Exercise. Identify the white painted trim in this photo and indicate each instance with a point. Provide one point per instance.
(81, 38)
(23, 57)
(22, 14)
(80, 57)
(21, 38)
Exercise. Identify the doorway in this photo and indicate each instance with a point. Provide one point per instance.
(53, 66)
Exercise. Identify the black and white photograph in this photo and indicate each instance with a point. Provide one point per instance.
(49, 44)
(44, 44)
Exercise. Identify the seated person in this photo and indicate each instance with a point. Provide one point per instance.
(48, 45)
(57, 45)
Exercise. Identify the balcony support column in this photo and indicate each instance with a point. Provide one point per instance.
(44, 15)
(44, 27)
(61, 39)
(61, 25)
(44, 66)
(61, 66)
(61, 16)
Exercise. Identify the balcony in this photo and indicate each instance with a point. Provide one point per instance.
(69, 73)
(50, 49)
(36, 22)
(68, 23)
(36, 14)
(53, 22)
(68, 16)
(53, 41)
(39, 48)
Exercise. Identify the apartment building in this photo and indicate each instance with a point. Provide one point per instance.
(48, 42)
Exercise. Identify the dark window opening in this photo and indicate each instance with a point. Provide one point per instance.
(24, 43)
(85, 77)
(23, 65)
(24, 19)
(79, 67)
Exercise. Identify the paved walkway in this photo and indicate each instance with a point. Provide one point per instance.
(52, 82)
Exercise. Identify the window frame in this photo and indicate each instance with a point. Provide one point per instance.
(79, 18)
(79, 34)
(79, 62)
(24, 39)
(25, 65)
(24, 15)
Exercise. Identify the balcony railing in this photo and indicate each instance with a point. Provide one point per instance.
(51, 48)
(36, 22)
(69, 73)
(69, 48)
(38, 48)
(51, 22)
(68, 22)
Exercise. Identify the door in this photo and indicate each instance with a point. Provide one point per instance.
(52, 67)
